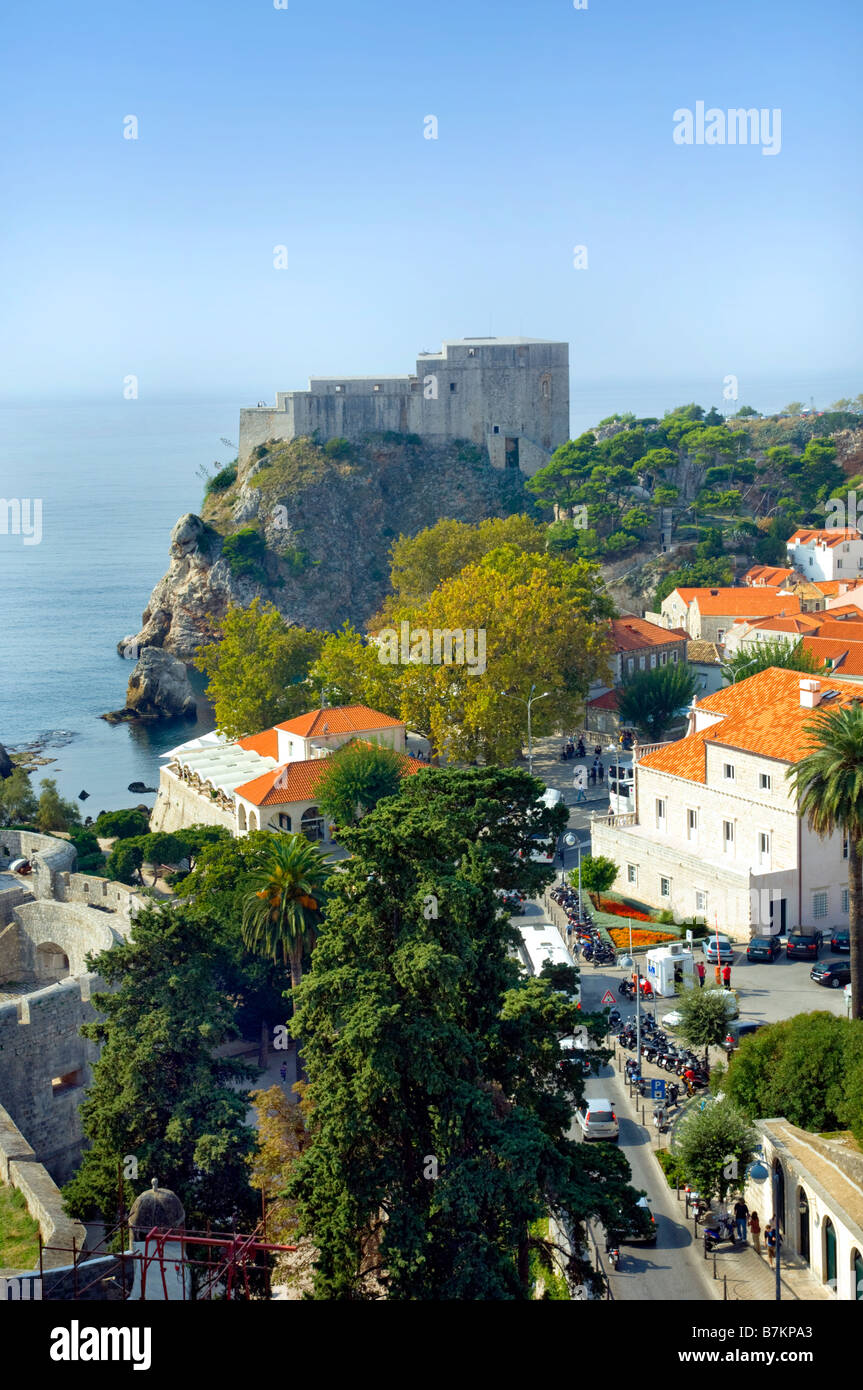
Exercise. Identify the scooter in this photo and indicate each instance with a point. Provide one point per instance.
(720, 1231)
(613, 1256)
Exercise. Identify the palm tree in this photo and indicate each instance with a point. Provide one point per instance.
(282, 910)
(829, 786)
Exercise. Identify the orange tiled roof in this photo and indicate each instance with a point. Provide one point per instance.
(757, 602)
(629, 633)
(801, 622)
(847, 657)
(762, 714)
(297, 781)
(826, 535)
(766, 574)
(343, 719)
(606, 701)
(266, 743)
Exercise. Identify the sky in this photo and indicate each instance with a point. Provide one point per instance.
(304, 127)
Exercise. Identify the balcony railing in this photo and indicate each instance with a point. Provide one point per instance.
(615, 822)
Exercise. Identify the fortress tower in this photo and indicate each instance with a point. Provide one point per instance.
(509, 395)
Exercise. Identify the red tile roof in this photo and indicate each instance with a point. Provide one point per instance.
(766, 574)
(606, 701)
(267, 743)
(343, 719)
(826, 535)
(629, 633)
(297, 781)
(762, 714)
(757, 602)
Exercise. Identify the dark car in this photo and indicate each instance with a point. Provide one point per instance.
(803, 945)
(764, 948)
(840, 940)
(833, 973)
(744, 1029)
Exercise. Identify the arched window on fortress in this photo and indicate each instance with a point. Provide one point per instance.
(545, 387)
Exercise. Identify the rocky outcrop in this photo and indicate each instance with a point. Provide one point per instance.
(7, 767)
(159, 688)
(318, 527)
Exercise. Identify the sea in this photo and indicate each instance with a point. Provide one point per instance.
(112, 477)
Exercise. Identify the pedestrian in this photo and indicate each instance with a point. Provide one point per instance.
(593, 774)
(597, 752)
(773, 1241)
(600, 771)
(283, 1072)
(741, 1212)
(726, 976)
(701, 972)
(755, 1231)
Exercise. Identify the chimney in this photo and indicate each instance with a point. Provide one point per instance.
(810, 694)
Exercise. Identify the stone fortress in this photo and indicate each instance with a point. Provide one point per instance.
(507, 395)
(50, 920)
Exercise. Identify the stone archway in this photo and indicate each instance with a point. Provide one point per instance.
(52, 963)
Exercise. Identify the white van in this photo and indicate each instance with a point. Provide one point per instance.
(551, 797)
(598, 1120)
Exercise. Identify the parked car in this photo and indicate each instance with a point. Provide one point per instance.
(744, 1028)
(542, 849)
(832, 973)
(725, 951)
(840, 940)
(597, 1119)
(803, 945)
(764, 948)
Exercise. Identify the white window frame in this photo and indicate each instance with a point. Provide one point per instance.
(727, 840)
(846, 901)
(765, 853)
(663, 657)
(691, 823)
(765, 781)
(820, 903)
(642, 663)
(728, 772)
(664, 892)
(700, 900)
(661, 813)
(844, 846)
(632, 874)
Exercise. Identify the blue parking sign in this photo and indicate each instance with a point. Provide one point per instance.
(657, 1090)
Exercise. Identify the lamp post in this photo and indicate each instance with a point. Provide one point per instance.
(742, 668)
(528, 702)
(759, 1173)
(572, 842)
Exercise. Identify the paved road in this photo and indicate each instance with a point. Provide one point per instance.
(674, 1269)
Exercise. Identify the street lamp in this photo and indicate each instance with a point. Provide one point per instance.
(724, 666)
(759, 1173)
(529, 701)
(573, 842)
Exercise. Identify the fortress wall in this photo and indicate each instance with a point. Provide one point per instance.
(75, 930)
(10, 898)
(20, 1167)
(40, 1041)
(178, 805)
(88, 890)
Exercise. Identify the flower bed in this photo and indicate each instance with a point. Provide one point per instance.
(640, 937)
(621, 910)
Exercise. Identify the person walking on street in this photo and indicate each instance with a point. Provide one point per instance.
(726, 976)
(741, 1212)
(755, 1231)
(283, 1072)
(701, 973)
(773, 1241)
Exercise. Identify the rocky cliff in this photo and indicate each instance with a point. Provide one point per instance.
(309, 529)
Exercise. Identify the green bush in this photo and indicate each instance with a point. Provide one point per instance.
(225, 478)
(671, 1166)
(122, 825)
(85, 843)
(245, 553)
(337, 448)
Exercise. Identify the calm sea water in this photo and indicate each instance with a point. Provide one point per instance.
(113, 478)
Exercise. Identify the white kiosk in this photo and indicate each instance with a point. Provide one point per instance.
(667, 965)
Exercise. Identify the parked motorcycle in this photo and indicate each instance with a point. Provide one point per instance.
(719, 1231)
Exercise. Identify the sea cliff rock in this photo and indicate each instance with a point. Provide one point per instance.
(309, 529)
(7, 767)
(159, 688)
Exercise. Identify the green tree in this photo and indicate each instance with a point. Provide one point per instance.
(55, 813)
(439, 1132)
(807, 1068)
(771, 548)
(161, 848)
(653, 700)
(159, 1092)
(597, 875)
(18, 804)
(124, 862)
(246, 553)
(355, 779)
(828, 782)
(257, 673)
(714, 1146)
(701, 574)
(121, 825)
(746, 413)
(704, 1018)
(421, 563)
(282, 909)
(349, 671)
(788, 656)
(793, 408)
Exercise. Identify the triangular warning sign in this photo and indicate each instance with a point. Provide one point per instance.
(608, 997)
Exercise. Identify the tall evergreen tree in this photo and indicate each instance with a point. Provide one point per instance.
(440, 1108)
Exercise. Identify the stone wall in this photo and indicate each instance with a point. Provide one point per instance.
(179, 805)
(20, 1167)
(75, 931)
(49, 856)
(40, 1042)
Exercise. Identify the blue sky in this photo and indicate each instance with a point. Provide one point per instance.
(303, 127)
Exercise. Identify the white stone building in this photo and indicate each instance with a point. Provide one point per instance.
(267, 781)
(715, 831)
(828, 553)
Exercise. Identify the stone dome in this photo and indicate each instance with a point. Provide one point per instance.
(159, 1208)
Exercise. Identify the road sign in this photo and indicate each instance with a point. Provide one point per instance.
(689, 934)
(608, 997)
(657, 1089)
